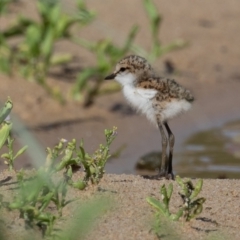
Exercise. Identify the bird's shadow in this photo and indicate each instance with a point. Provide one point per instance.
(123, 109)
(65, 123)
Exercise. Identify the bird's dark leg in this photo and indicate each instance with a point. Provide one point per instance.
(171, 140)
(164, 162)
(165, 170)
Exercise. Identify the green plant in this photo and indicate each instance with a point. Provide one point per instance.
(85, 215)
(44, 189)
(40, 37)
(10, 157)
(5, 111)
(32, 200)
(162, 208)
(42, 194)
(5, 129)
(107, 55)
(36, 194)
(34, 55)
(93, 164)
(157, 49)
(35, 197)
(190, 208)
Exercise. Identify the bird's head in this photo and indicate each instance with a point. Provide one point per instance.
(130, 69)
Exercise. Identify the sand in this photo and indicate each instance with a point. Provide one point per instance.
(129, 216)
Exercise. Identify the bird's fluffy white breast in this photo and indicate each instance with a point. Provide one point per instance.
(174, 108)
(140, 99)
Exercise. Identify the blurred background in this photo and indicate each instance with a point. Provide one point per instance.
(54, 56)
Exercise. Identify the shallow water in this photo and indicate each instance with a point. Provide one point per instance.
(212, 153)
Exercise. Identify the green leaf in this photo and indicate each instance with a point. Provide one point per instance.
(169, 190)
(21, 151)
(86, 214)
(79, 184)
(69, 172)
(15, 205)
(62, 26)
(154, 16)
(47, 45)
(32, 40)
(4, 112)
(4, 132)
(175, 217)
(5, 155)
(179, 181)
(84, 15)
(164, 196)
(65, 160)
(197, 189)
(45, 217)
(183, 185)
(46, 200)
(55, 15)
(131, 36)
(82, 153)
(157, 205)
(42, 8)
(82, 79)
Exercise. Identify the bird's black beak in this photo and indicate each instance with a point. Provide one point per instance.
(111, 76)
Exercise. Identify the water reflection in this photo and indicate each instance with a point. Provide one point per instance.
(209, 154)
(213, 154)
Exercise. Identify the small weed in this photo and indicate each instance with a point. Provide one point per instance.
(191, 207)
(94, 164)
(5, 129)
(34, 56)
(73, 156)
(5, 111)
(4, 132)
(32, 200)
(10, 157)
(107, 55)
(162, 208)
(157, 49)
(44, 191)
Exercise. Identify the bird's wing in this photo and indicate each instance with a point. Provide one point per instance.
(147, 92)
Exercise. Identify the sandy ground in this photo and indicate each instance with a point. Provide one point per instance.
(209, 67)
(129, 216)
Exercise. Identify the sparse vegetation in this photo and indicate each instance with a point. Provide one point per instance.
(45, 188)
(33, 56)
(5, 128)
(191, 207)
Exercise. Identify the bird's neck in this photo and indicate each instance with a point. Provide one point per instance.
(143, 77)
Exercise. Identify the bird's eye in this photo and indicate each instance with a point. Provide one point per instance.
(122, 69)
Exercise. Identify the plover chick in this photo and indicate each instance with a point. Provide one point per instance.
(160, 99)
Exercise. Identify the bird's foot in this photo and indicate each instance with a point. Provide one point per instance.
(161, 175)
